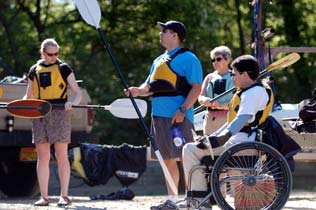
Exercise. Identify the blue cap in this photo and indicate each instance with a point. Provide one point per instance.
(175, 26)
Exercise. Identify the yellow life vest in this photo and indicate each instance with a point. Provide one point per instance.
(166, 82)
(49, 83)
(260, 116)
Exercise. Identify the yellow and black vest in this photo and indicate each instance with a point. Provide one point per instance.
(260, 117)
(49, 84)
(166, 82)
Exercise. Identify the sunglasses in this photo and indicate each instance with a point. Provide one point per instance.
(233, 74)
(166, 30)
(216, 59)
(52, 54)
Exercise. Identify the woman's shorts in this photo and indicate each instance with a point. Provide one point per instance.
(55, 127)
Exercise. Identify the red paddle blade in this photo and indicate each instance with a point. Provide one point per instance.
(29, 108)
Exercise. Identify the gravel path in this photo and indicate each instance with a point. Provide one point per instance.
(297, 201)
(149, 184)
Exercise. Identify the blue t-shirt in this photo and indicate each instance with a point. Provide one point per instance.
(185, 64)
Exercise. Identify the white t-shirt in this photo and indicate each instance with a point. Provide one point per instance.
(251, 101)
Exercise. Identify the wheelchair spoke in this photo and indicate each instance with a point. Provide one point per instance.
(257, 177)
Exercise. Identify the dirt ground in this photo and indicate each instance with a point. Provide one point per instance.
(299, 200)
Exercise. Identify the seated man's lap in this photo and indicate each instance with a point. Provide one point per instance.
(192, 156)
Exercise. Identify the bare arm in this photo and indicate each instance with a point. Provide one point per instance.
(75, 87)
(29, 90)
(142, 90)
(203, 99)
(216, 105)
(189, 101)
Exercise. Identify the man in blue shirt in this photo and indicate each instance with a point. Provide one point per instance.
(174, 81)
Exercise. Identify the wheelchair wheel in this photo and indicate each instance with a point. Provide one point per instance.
(256, 176)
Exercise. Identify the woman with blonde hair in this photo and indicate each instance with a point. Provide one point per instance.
(48, 80)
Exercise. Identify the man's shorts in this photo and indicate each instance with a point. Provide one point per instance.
(55, 127)
(161, 131)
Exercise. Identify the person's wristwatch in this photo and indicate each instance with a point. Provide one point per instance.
(182, 109)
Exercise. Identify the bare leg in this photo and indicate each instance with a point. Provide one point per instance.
(174, 172)
(61, 153)
(43, 158)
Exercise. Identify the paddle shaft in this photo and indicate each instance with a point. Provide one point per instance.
(108, 49)
(92, 15)
(150, 137)
(199, 108)
(84, 106)
(20, 107)
(279, 64)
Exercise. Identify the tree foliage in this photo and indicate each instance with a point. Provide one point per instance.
(131, 31)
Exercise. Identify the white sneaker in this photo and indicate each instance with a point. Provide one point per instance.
(183, 206)
(167, 205)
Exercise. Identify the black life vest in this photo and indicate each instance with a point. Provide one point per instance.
(164, 81)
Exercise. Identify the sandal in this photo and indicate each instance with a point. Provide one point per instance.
(64, 201)
(41, 202)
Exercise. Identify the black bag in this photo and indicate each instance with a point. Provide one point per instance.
(274, 135)
(101, 162)
(130, 163)
(308, 111)
(97, 162)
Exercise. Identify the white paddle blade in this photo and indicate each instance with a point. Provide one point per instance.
(89, 11)
(123, 108)
(284, 62)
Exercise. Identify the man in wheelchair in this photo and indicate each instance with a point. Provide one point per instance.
(249, 107)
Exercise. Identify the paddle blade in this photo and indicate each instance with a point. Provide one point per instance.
(284, 62)
(89, 11)
(123, 108)
(29, 108)
(0, 92)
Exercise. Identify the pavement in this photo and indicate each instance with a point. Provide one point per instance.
(150, 190)
(299, 200)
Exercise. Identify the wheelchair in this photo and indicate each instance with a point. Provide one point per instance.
(247, 176)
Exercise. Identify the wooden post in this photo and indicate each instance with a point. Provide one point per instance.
(274, 51)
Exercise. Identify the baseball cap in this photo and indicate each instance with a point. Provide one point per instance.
(175, 26)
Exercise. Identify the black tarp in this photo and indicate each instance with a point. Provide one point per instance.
(101, 162)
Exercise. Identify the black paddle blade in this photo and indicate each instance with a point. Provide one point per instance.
(29, 108)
